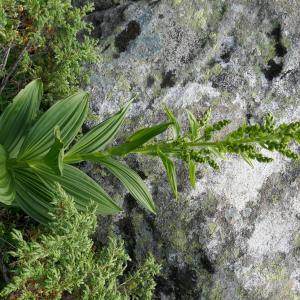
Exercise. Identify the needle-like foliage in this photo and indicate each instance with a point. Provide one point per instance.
(39, 39)
(62, 261)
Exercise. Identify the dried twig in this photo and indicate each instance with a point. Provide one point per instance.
(3, 65)
(7, 77)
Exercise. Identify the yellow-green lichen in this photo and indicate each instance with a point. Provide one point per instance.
(179, 240)
(296, 241)
(214, 71)
(266, 50)
(213, 228)
(209, 204)
(177, 2)
(198, 14)
(275, 199)
(123, 83)
(217, 292)
(276, 280)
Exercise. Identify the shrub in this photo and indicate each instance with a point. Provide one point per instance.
(61, 261)
(38, 39)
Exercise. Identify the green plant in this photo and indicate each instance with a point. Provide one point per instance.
(35, 155)
(198, 144)
(38, 39)
(32, 158)
(62, 260)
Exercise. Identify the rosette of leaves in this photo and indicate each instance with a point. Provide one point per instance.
(33, 157)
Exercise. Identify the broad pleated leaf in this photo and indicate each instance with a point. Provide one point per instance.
(173, 120)
(192, 173)
(68, 114)
(33, 195)
(102, 134)
(193, 125)
(54, 158)
(170, 169)
(7, 190)
(83, 188)
(138, 139)
(17, 118)
(131, 181)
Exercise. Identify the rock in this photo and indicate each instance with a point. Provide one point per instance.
(236, 236)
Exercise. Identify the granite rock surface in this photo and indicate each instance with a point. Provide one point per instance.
(236, 235)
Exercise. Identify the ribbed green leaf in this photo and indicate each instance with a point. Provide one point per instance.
(53, 159)
(68, 114)
(192, 173)
(138, 139)
(83, 188)
(55, 156)
(7, 190)
(193, 125)
(33, 195)
(173, 120)
(102, 134)
(17, 118)
(148, 133)
(170, 169)
(131, 181)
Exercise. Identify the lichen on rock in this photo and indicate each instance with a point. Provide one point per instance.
(236, 235)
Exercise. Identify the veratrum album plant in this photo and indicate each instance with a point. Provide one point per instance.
(32, 157)
(37, 154)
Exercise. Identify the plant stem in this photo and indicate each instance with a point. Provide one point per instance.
(174, 147)
(3, 65)
(12, 70)
(72, 159)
